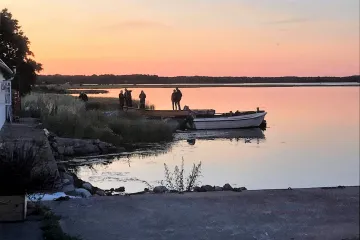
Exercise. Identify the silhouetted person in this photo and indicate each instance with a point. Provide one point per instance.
(121, 100)
(173, 99)
(83, 97)
(178, 98)
(142, 97)
(128, 98)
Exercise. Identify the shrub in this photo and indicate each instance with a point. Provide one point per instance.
(67, 116)
(141, 130)
(20, 170)
(175, 180)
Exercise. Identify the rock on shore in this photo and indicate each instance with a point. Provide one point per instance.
(69, 147)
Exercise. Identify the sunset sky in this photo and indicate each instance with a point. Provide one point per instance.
(193, 37)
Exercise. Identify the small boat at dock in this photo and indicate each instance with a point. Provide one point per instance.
(224, 121)
(207, 119)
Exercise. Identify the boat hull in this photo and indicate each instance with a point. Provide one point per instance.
(231, 122)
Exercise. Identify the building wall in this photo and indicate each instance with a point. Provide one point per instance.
(2, 103)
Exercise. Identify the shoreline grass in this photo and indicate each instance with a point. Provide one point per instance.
(67, 116)
(108, 104)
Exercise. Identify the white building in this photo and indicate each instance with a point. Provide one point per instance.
(4, 71)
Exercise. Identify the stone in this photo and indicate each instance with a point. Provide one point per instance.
(87, 186)
(104, 147)
(68, 176)
(66, 198)
(54, 145)
(68, 188)
(61, 167)
(82, 192)
(217, 188)
(100, 192)
(86, 149)
(227, 187)
(69, 151)
(236, 190)
(120, 189)
(65, 181)
(61, 150)
(160, 189)
(119, 149)
(207, 188)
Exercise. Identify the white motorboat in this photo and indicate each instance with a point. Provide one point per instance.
(224, 121)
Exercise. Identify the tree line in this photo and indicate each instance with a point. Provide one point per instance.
(154, 79)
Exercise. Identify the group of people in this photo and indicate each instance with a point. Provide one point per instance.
(125, 99)
(176, 98)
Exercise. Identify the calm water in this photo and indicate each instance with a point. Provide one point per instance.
(312, 140)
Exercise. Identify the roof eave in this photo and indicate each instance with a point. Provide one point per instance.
(5, 68)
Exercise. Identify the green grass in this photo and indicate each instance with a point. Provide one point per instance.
(67, 116)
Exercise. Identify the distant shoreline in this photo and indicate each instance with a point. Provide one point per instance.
(195, 81)
(247, 85)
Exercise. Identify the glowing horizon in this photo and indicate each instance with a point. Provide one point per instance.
(198, 37)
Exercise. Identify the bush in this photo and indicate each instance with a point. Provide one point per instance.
(20, 170)
(175, 180)
(67, 116)
(141, 130)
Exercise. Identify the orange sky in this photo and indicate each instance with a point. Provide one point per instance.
(198, 37)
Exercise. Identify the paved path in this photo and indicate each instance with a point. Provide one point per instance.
(270, 214)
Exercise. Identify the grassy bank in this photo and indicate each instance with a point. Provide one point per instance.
(67, 116)
(109, 104)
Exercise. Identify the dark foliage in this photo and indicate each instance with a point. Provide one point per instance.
(15, 52)
(20, 170)
(153, 79)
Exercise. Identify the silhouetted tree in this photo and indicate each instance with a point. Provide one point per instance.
(15, 52)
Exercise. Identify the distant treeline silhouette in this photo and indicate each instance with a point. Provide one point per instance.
(154, 79)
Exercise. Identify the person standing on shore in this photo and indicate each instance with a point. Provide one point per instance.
(142, 97)
(173, 99)
(121, 100)
(178, 98)
(128, 98)
(83, 97)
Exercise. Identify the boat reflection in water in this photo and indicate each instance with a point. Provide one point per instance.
(247, 135)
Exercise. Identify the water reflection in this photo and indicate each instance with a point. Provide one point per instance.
(140, 151)
(155, 150)
(247, 135)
